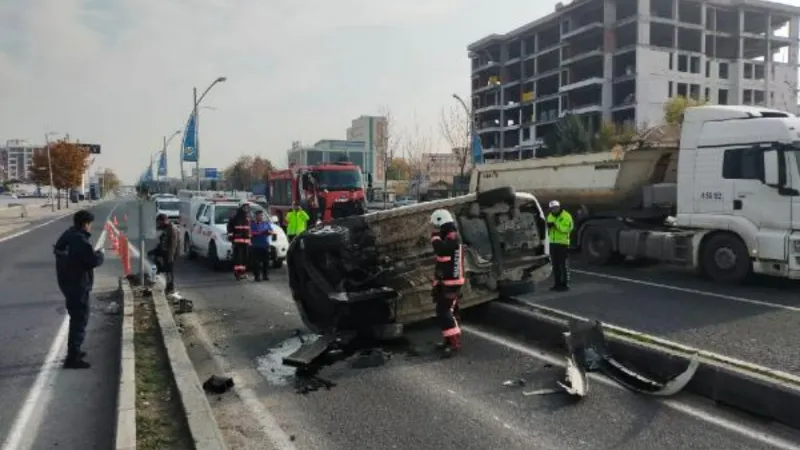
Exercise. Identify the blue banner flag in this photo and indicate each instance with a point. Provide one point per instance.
(477, 150)
(162, 164)
(189, 150)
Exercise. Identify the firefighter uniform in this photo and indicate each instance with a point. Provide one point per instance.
(239, 232)
(559, 229)
(448, 277)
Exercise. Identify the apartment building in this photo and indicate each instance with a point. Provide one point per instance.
(373, 132)
(16, 158)
(620, 60)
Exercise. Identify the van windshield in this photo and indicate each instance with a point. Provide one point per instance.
(168, 205)
(340, 180)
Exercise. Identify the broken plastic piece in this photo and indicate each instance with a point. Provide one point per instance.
(217, 384)
(590, 336)
(575, 380)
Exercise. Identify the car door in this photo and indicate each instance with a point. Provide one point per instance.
(201, 230)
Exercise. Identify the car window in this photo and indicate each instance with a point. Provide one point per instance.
(223, 213)
(201, 211)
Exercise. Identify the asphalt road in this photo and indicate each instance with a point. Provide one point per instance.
(66, 409)
(756, 322)
(415, 400)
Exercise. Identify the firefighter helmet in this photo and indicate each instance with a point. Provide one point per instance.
(441, 217)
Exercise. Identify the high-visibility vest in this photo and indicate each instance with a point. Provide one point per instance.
(559, 227)
(296, 222)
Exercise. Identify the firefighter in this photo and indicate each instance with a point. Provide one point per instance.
(448, 277)
(239, 234)
(559, 229)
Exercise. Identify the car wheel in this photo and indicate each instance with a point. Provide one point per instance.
(187, 248)
(213, 257)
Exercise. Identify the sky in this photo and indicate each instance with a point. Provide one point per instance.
(120, 72)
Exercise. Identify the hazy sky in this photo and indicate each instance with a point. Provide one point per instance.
(120, 72)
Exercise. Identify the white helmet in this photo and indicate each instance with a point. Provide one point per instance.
(554, 204)
(441, 217)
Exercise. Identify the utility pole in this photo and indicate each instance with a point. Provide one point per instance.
(196, 136)
(50, 171)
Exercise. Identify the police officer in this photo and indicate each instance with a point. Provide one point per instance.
(448, 277)
(76, 260)
(166, 252)
(296, 221)
(261, 231)
(559, 224)
(239, 234)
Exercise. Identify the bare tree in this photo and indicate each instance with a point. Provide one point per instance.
(416, 147)
(387, 145)
(454, 126)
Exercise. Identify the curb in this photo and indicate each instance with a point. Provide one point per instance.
(731, 383)
(202, 424)
(125, 433)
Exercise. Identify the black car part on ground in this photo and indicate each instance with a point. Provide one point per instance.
(587, 346)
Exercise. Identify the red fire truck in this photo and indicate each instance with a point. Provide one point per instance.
(325, 191)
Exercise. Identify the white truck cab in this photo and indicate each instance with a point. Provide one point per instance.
(739, 181)
(207, 232)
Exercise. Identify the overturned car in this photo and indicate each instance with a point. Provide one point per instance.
(372, 272)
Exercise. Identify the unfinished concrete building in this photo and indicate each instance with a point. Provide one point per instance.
(620, 60)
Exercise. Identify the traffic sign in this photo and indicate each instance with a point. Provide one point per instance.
(210, 174)
(93, 149)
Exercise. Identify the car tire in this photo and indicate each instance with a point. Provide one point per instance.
(187, 248)
(213, 257)
(277, 263)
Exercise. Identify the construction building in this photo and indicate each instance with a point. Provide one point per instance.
(16, 158)
(621, 60)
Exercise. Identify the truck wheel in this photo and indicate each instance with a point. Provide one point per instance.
(187, 248)
(725, 259)
(596, 246)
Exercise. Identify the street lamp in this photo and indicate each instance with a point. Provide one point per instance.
(477, 159)
(196, 105)
(50, 168)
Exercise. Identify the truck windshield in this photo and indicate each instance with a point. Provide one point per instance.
(168, 205)
(340, 180)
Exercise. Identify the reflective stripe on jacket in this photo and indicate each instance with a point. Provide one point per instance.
(449, 269)
(296, 221)
(240, 231)
(559, 227)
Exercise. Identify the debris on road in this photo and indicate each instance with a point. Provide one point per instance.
(216, 384)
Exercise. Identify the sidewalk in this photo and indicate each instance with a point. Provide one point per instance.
(12, 220)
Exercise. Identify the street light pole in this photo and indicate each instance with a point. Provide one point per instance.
(195, 109)
(50, 170)
(471, 128)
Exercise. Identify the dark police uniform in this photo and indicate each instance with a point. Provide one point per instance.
(76, 260)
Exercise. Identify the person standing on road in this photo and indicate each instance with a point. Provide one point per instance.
(239, 234)
(165, 254)
(559, 223)
(261, 231)
(448, 277)
(296, 221)
(76, 260)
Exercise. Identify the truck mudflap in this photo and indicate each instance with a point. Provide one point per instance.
(588, 351)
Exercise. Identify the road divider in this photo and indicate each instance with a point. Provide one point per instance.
(747, 387)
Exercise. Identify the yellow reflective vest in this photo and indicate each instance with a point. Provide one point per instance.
(296, 221)
(559, 227)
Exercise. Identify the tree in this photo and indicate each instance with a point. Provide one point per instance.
(674, 108)
(454, 125)
(69, 163)
(398, 169)
(387, 145)
(109, 181)
(248, 171)
(571, 137)
(416, 146)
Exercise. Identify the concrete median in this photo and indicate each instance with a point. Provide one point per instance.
(747, 387)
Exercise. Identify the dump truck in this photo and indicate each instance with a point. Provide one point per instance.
(719, 194)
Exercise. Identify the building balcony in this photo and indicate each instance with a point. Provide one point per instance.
(485, 66)
(582, 84)
(487, 108)
(580, 56)
(585, 109)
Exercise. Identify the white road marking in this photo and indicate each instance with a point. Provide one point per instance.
(28, 230)
(682, 407)
(26, 425)
(689, 290)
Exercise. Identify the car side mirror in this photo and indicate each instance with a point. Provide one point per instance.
(205, 220)
(273, 219)
(772, 169)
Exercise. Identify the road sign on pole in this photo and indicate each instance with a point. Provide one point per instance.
(210, 174)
